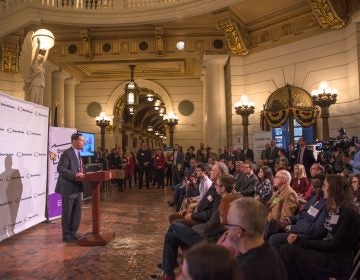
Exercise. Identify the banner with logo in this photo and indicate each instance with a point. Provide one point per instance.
(260, 139)
(23, 164)
(59, 140)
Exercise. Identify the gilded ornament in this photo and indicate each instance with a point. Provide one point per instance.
(326, 13)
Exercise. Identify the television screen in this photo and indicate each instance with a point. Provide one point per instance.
(89, 144)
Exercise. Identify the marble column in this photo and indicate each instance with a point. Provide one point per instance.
(58, 99)
(69, 92)
(49, 69)
(214, 116)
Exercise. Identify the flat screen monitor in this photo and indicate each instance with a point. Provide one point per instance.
(89, 144)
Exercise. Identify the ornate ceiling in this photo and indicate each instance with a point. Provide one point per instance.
(100, 44)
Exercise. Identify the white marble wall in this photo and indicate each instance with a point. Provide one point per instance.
(333, 56)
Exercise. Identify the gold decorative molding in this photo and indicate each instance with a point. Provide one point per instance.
(330, 13)
(236, 35)
(159, 38)
(10, 54)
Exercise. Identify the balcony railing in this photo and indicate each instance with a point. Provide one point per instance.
(88, 4)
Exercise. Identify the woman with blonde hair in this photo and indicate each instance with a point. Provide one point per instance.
(300, 182)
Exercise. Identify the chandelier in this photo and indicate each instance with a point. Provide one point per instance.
(131, 92)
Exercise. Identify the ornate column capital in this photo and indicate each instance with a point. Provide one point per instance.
(235, 32)
(330, 13)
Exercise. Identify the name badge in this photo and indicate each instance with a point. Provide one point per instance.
(313, 211)
(276, 200)
(334, 219)
(210, 198)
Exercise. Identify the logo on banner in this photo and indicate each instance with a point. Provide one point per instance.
(11, 130)
(11, 226)
(11, 178)
(33, 133)
(7, 105)
(38, 114)
(5, 203)
(2, 129)
(36, 154)
(6, 155)
(21, 109)
(20, 154)
(32, 175)
(55, 155)
(30, 217)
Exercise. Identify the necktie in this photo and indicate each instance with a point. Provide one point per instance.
(80, 163)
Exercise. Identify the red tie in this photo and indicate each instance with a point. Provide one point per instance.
(80, 163)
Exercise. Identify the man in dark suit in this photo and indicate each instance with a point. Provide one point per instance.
(178, 165)
(246, 154)
(70, 169)
(246, 185)
(271, 154)
(230, 155)
(144, 160)
(304, 156)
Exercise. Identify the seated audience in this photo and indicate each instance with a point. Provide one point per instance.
(331, 256)
(309, 223)
(300, 182)
(210, 262)
(281, 162)
(179, 234)
(246, 223)
(264, 189)
(284, 201)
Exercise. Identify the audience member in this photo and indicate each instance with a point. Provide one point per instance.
(246, 223)
(210, 262)
(247, 185)
(271, 154)
(246, 154)
(355, 185)
(284, 201)
(281, 162)
(300, 182)
(333, 255)
(304, 156)
(264, 189)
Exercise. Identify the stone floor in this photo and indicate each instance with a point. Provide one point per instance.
(139, 220)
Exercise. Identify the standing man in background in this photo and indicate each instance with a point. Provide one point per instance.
(144, 162)
(70, 169)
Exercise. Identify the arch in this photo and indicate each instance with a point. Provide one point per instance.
(119, 91)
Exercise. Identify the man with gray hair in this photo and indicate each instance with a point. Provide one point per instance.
(246, 223)
(284, 201)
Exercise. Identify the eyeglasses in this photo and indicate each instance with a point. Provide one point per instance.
(354, 181)
(218, 185)
(233, 225)
(198, 170)
(279, 177)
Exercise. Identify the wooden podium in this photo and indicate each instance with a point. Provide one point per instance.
(97, 238)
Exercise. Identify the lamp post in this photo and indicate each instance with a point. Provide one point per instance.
(324, 97)
(245, 108)
(171, 120)
(132, 92)
(103, 121)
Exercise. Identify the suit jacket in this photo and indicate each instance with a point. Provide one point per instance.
(282, 204)
(249, 155)
(308, 159)
(206, 206)
(247, 185)
(67, 168)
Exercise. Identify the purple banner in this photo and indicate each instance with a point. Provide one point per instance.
(54, 205)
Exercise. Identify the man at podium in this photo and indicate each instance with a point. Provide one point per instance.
(70, 169)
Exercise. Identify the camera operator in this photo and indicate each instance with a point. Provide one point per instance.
(355, 162)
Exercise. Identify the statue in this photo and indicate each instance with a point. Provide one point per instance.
(32, 68)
